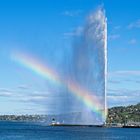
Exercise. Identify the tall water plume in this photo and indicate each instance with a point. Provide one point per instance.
(90, 64)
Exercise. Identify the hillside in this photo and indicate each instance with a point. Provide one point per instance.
(124, 114)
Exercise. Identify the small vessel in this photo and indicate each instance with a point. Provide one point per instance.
(54, 122)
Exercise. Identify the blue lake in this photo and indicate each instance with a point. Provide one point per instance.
(30, 131)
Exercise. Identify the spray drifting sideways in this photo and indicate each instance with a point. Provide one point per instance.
(86, 76)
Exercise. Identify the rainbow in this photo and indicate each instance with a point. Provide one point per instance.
(28, 61)
(36, 66)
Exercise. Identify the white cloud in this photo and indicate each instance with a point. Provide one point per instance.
(125, 72)
(123, 97)
(23, 87)
(123, 92)
(135, 24)
(114, 81)
(132, 41)
(26, 97)
(111, 97)
(33, 98)
(137, 81)
(120, 92)
(78, 32)
(117, 27)
(72, 13)
(5, 93)
(113, 36)
(119, 78)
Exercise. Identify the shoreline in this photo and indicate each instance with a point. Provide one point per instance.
(72, 125)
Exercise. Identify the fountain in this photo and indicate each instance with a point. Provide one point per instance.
(76, 78)
(83, 99)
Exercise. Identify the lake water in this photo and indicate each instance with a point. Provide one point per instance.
(30, 131)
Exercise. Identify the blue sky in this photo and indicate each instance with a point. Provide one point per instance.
(34, 26)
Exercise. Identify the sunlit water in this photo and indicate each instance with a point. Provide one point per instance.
(30, 131)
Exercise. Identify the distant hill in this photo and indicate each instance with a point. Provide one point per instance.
(123, 114)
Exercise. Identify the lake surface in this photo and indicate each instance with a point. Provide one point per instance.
(30, 131)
